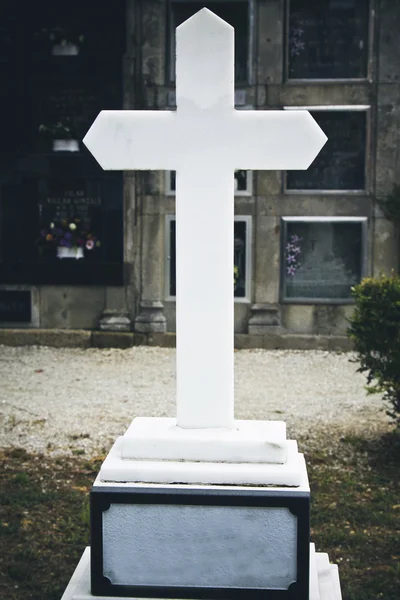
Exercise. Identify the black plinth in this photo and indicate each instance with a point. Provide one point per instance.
(171, 541)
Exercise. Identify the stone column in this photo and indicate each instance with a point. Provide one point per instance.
(119, 302)
(265, 318)
(265, 312)
(383, 235)
(150, 318)
(149, 242)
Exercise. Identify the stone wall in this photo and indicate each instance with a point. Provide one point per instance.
(142, 304)
(268, 89)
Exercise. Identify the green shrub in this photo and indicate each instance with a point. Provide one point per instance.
(375, 331)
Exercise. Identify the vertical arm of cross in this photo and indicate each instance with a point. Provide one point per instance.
(204, 63)
(204, 299)
(204, 225)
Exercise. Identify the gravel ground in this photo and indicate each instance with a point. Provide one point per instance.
(74, 401)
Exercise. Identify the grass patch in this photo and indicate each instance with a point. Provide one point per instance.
(355, 517)
(355, 513)
(44, 522)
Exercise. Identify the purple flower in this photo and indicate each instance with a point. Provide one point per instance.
(291, 270)
(68, 235)
(289, 247)
(62, 242)
(296, 249)
(294, 238)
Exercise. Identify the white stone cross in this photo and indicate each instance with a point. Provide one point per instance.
(205, 140)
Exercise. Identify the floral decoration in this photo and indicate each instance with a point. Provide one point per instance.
(296, 43)
(69, 233)
(58, 130)
(61, 36)
(293, 251)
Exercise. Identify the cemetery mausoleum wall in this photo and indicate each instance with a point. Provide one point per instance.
(302, 239)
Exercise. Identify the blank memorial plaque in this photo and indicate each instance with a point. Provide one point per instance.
(190, 545)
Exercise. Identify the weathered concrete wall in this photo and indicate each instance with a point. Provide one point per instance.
(146, 205)
(71, 307)
(268, 88)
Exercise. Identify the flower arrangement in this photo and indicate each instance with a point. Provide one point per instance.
(59, 130)
(69, 233)
(63, 37)
(293, 251)
(296, 43)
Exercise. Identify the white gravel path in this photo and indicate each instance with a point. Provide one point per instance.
(78, 401)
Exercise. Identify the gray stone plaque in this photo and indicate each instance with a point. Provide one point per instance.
(210, 546)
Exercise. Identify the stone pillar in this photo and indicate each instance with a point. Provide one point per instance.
(119, 302)
(265, 317)
(115, 316)
(265, 312)
(384, 235)
(151, 317)
(149, 242)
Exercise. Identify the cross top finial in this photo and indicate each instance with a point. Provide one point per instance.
(208, 83)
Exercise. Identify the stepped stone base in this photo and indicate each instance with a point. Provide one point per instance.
(155, 450)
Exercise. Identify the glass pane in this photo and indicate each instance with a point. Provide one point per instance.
(15, 306)
(341, 163)
(241, 181)
(328, 39)
(239, 270)
(172, 181)
(239, 275)
(234, 13)
(172, 258)
(322, 260)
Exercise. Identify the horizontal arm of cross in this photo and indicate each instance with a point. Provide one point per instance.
(276, 139)
(123, 140)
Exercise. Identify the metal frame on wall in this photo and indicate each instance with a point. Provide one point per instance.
(367, 176)
(363, 258)
(248, 276)
(349, 80)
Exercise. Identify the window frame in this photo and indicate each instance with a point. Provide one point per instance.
(248, 192)
(246, 299)
(369, 53)
(364, 256)
(367, 177)
(170, 41)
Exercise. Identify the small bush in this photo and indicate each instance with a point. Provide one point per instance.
(375, 331)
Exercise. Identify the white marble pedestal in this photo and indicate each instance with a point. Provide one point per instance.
(324, 579)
